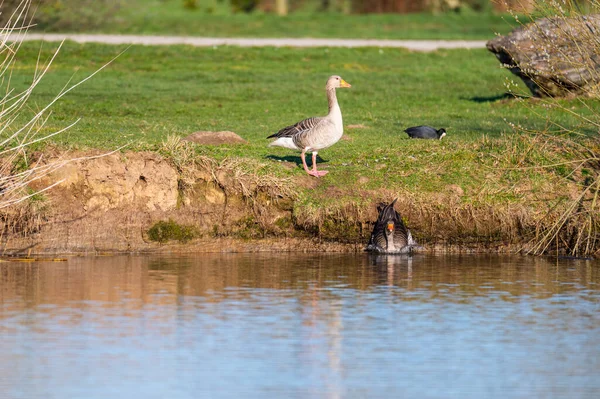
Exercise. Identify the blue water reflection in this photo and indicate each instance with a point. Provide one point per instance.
(300, 326)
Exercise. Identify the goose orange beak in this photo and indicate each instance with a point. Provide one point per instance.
(343, 83)
(390, 226)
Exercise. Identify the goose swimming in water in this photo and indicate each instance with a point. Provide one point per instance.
(390, 235)
(316, 133)
(425, 132)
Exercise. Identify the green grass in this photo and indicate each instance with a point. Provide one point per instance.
(149, 93)
(216, 20)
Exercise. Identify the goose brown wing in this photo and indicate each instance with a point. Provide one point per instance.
(378, 240)
(300, 127)
(400, 232)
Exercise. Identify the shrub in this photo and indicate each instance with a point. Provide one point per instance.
(244, 5)
(190, 4)
(74, 14)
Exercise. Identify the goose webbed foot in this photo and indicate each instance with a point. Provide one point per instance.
(317, 173)
(314, 172)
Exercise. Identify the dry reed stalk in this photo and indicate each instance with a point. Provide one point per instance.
(18, 135)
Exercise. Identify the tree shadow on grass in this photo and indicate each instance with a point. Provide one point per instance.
(491, 99)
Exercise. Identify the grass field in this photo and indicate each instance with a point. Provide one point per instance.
(149, 93)
(215, 19)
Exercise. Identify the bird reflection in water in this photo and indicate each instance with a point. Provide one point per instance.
(392, 265)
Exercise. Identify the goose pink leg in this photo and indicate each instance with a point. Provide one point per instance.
(314, 171)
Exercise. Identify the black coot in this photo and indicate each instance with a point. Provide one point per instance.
(425, 132)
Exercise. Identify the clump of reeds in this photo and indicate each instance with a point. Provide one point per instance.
(572, 225)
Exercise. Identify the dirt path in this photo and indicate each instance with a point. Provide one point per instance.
(416, 45)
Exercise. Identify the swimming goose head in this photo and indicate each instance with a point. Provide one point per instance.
(336, 81)
(389, 215)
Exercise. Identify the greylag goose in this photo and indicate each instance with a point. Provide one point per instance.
(316, 133)
(425, 132)
(390, 235)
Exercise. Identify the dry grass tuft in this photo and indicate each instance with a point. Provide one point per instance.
(24, 218)
(236, 177)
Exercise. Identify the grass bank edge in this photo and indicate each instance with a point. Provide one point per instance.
(506, 211)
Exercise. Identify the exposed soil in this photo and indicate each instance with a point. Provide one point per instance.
(108, 204)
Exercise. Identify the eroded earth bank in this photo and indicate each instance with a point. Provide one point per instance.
(145, 201)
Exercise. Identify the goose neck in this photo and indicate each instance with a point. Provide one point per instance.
(332, 100)
(390, 242)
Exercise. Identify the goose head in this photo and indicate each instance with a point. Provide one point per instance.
(336, 81)
(388, 214)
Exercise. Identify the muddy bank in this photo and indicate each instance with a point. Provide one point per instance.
(112, 204)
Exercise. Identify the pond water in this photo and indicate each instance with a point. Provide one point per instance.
(300, 326)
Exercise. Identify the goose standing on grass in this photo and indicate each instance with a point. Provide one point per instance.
(316, 133)
(390, 235)
(425, 132)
